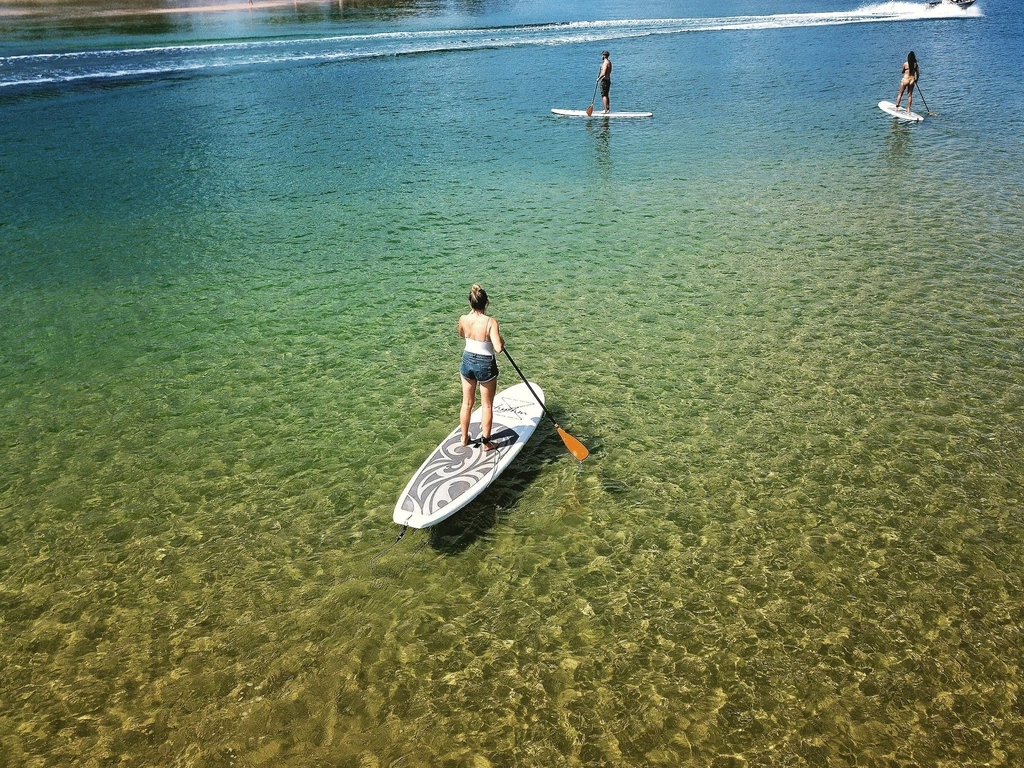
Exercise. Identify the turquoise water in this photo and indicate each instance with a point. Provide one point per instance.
(234, 247)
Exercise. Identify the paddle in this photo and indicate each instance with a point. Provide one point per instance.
(930, 113)
(576, 448)
(590, 111)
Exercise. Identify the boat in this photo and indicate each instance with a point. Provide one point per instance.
(957, 3)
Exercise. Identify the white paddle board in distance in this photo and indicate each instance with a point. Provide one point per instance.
(455, 474)
(900, 114)
(597, 113)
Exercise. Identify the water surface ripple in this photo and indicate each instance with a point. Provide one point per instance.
(787, 327)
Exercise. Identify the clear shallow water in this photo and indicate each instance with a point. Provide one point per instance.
(787, 328)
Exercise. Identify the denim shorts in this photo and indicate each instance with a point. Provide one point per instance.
(479, 368)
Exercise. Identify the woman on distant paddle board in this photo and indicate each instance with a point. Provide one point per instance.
(604, 78)
(910, 74)
(479, 367)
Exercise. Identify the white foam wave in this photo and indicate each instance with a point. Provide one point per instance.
(35, 69)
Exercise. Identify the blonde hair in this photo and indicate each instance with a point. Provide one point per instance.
(478, 298)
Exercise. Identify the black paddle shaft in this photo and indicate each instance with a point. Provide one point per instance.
(521, 376)
(922, 98)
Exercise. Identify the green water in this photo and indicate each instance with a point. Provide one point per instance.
(793, 347)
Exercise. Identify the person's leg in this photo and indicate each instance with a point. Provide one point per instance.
(899, 96)
(468, 401)
(487, 390)
(910, 98)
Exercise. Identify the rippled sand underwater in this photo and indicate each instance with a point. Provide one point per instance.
(796, 541)
(794, 351)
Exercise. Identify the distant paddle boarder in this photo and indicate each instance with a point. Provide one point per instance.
(911, 72)
(604, 79)
(479, 367)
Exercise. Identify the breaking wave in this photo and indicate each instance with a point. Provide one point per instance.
(49, 68)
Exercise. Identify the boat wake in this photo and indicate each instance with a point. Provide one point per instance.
(127, 63)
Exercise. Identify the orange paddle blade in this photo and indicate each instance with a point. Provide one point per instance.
(576, 448)
(590, 111)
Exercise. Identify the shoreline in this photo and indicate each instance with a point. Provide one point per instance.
(47, 13)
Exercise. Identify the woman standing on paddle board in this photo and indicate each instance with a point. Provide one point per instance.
(910, 74)
(479, 367)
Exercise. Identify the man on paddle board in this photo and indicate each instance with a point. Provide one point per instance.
(604, 79)
(479, 367)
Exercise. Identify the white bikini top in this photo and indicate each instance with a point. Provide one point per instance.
(480, 347)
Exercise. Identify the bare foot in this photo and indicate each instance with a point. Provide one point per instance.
(487, 445)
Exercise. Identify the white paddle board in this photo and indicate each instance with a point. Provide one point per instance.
(455, 474)
(599, 113)
(900, 114)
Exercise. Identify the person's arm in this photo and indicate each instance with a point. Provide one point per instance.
(496, 340)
